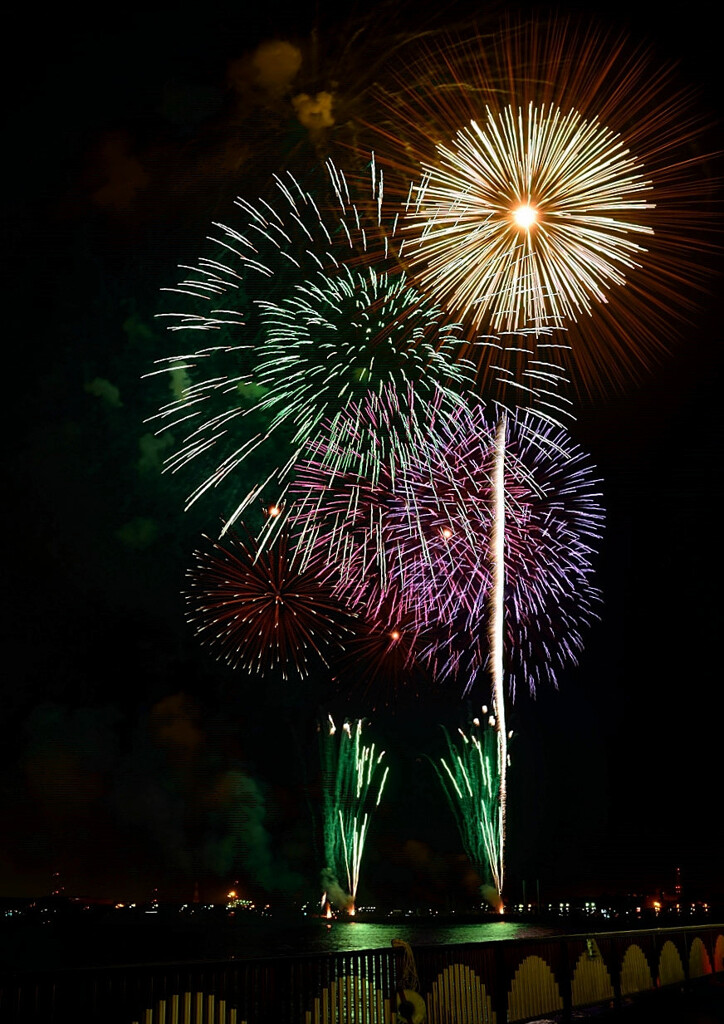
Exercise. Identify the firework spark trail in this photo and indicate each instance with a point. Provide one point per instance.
(552, 522)
(260, 609)
(470, 778)
(335, 323)
(353, 779)
(559, 171)
(345, 496)
(525, 220)
(418, 543)
(538, 383)
(359, 336)
(360, 456)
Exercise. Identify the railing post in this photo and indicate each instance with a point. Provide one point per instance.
(502, 982)
(614, 970)
(564, 983)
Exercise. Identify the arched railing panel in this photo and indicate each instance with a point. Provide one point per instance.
(671, 969)
(719, 953)
(458, 996)
(699, 962)
(635, 971)
(350, 1000)
(190, 1008)
(533, 990)
(591, 982)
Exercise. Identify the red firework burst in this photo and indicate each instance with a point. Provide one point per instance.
(260, 609)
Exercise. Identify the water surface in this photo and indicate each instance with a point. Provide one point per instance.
(167, 938)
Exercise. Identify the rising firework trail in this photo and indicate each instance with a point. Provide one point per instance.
(470, 777)
(353, 779)
(497, 630)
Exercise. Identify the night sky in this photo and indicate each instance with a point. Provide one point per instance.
(130, 760)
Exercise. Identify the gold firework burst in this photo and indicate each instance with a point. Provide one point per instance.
(526, 219)
(597, 143)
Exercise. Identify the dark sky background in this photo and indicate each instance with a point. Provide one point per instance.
(129, 760)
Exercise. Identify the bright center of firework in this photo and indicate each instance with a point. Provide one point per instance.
(525, 216)
(395, 634)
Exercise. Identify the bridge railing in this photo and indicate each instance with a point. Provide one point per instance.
(474, 983)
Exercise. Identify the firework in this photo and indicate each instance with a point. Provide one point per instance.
(527, 218)
(420, 541)
(470, 777)
(601, 154)
(496, 625)
(353, 339)
(354, 779)
(260, 610)
(509, 523)
(324, 329)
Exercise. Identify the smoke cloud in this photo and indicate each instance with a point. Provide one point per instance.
(314, 112)
(491, 896)
(102, 388)
(335, 893)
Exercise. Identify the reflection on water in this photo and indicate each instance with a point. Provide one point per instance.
(344, 936)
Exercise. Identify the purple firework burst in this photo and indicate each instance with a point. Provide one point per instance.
(419, 539)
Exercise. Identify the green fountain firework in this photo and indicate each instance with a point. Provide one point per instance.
(353, 780)
(470, 776)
